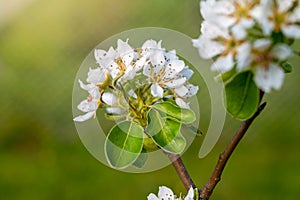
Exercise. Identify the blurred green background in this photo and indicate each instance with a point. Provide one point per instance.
(42, 44)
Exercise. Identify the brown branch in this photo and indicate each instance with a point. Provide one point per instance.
(181, 170)
(207, 190)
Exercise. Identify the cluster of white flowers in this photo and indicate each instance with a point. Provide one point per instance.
(249, 35)
(127, 78)
(166, 193)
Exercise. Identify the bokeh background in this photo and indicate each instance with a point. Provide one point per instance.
(42, 44)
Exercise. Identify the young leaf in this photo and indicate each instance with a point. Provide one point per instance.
(181, 115)
(242, 96)
(124, 144)
(286, 66)
(165, 132)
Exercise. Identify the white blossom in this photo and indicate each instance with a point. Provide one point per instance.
(278, 16)
(90, 105)
(112, 84)
(166, 193)
(262, 58)
(249, 35)
(216, 41)
(166, 77)
(229, 14)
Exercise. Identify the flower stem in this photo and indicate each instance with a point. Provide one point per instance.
(225, 155)
(181, 170)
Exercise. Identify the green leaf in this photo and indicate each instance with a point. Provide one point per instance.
(287, 67)
(165, 132)
(226, 76)
(242, 96)
(149, 145)
(278, 37)
(141, 160)
(124, 144)
(174, 112)
(177, 145)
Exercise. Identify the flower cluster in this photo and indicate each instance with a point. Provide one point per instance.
(166, 193)
(128, 81)
(249, 35)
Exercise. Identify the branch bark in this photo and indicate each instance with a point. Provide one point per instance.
(181, 170)
(207, 190)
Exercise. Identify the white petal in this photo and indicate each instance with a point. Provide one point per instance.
(127, 58)
(165, 193)
(123, 47)
(212, 31)
(87, 106)
(257, 12)
(208, 48)
(262, 44)
(266, 79)
(91, 88)
(157, 69)
(157, 57)
(291, 31)
(223, 64)
(217, 12)
(171, 55)
(284, 5)
(84, 117)
(86, 87)
(261, 14)
(109, 98)
(96, 76)
(152, 197)
(173, 68)
(140, 63)
(95, 93)
(151, 44)
(147, 71)
(281, 51)
(99, 54)
(192, 90)
(244, 56)
(129, 73)
(157, 91)
(175, 83)
(224, 7)
(105, 58)
(190, 195)
(114, 69)
(295, 16)
(181, 91)
(186, 72)
(240, 29)
(239, 32)
(106, 62)
(267, 26)
(117, 111)
(181, 103)
(111, 52)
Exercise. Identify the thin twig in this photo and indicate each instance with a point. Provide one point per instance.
(181, 170)
(224, 157)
